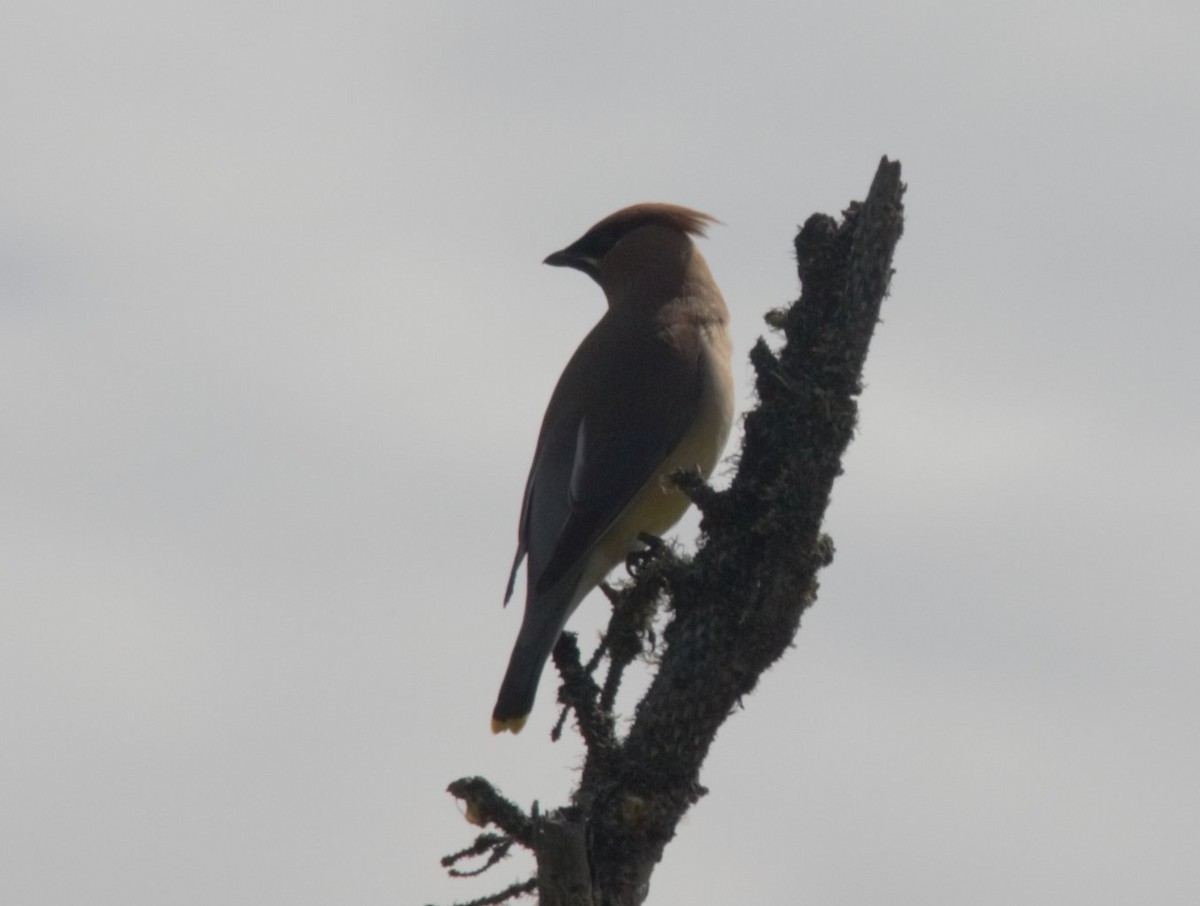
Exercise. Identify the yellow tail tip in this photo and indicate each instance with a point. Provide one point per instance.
(511, 724)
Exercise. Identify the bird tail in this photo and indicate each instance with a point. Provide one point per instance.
(519, 689)
(541, 626)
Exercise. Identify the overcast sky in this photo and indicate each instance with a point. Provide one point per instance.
(274, 347)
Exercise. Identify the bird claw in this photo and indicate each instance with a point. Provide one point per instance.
(635, 560)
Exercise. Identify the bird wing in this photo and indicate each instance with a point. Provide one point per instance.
(544, 505)
(623, 403)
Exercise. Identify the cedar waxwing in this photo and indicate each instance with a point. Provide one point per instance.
(647, 393)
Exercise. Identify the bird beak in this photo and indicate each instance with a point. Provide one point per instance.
(569, 257)
(560, 259)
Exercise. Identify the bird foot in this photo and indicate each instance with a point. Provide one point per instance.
(652, 547)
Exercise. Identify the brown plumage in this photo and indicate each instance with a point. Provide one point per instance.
(647, 392)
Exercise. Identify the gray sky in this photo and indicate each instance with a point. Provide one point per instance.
(274, 347)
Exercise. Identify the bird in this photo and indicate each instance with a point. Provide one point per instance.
(648, 392)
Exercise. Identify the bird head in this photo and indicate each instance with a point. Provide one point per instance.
(637, 248)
